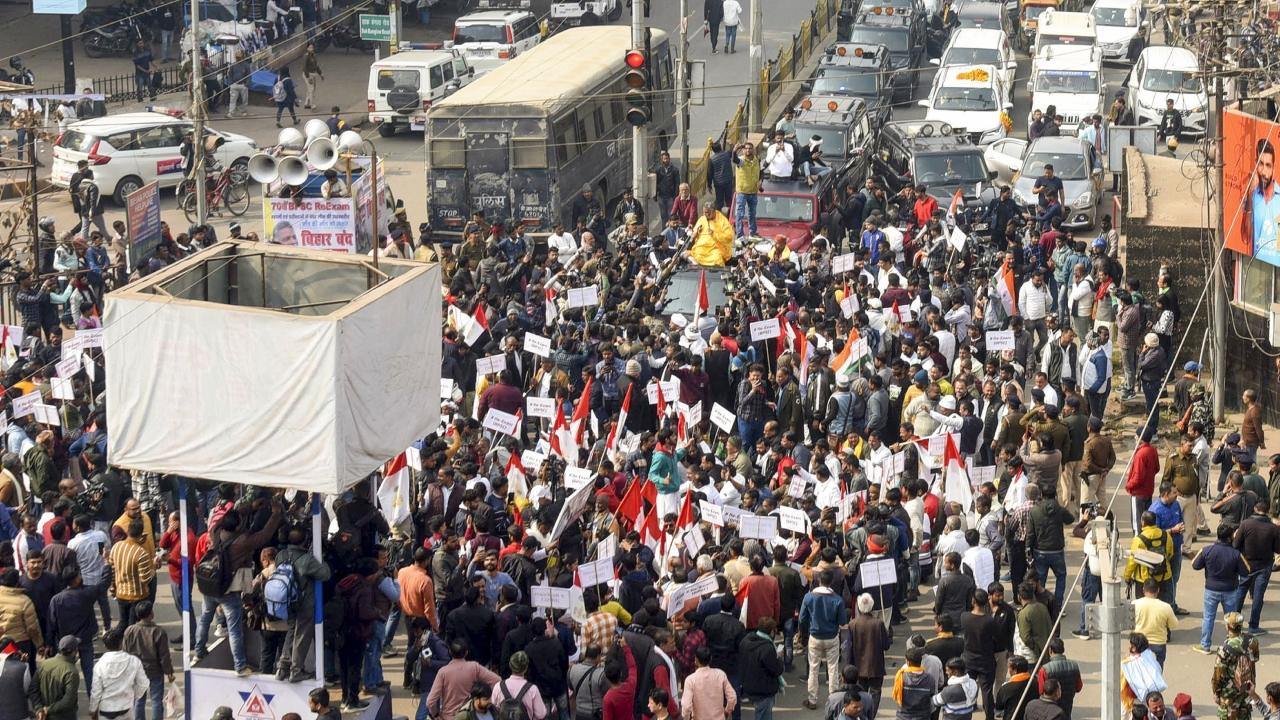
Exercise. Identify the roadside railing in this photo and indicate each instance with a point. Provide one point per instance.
(121, 88)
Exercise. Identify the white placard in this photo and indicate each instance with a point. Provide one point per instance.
(583, 297)
(998, 340)
(711, 512)
(607, 548)
(981, 474)
(761, 527)
(16, 335)
(844, 263)
(499, 421)
(793, 520)
(91, 337)
(576, 477)
(722, 418)
(540, 407)
(68, 366)
(670, 390)
(62, 388)
(72, 346)
(532, 461)
(491, 364)
(796, 488)
(25, 405)
(768, 285)
(571, 511)
(446, 388)
(693, 413)
(551, 598)
(874, 573)
(849, 306)
(47, 414)
(596, 572)
(537, 345)
(732, 513)
(90, 367)
(694, 541)
(413, 458)
(765, 329)
(956, 239)
(680, 596)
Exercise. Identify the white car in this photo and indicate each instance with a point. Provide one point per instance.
(1168, 73)
(490, 38)
(1069, 79)
(130, 150)
(1123, 28)
(973, 97)
(980, 46)
(403, 86)
(570, 12)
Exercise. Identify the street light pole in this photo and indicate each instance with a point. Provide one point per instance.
(197, 115)
(1111, 617)
(755, 108)
(638, 154)
(682, 89)
(1219, 282)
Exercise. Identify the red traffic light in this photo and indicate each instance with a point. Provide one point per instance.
(635, 58)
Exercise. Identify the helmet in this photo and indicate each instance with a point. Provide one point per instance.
(46, 224)
(15, 62)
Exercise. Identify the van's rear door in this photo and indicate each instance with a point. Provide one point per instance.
(489, 173)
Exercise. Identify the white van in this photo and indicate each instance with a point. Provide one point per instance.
(492, 37)
(1168, 73)
(1065, 28)
(1070, 79)
(973, 97)
(403, 86)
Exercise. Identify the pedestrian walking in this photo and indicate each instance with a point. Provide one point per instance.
(119, 680)
(57, 684)
(712, 16)
(285, 95)
(1154, 618)
(760, 667)
(311, 75)
(1223, 567)
(822, 614)
(150, 644)
(732, 17)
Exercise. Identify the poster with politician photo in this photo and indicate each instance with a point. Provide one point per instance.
(1251, 196)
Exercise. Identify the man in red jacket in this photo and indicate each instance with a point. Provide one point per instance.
(1141, 483)
(760, 594)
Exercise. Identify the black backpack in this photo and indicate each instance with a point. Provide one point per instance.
(215, 571)
(1155, 570)
(512, 708)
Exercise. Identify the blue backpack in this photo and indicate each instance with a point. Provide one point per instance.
(280, 592)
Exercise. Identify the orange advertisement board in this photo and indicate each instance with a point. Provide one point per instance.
(1251, 198)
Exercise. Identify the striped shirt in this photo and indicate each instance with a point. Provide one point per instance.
(134, 569)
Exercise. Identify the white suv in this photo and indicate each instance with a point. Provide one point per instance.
(128, 151)
(491, 37)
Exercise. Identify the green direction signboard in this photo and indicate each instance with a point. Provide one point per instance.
(375, 27)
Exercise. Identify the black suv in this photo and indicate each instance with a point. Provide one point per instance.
(914, 152)
(904, 36)
(861, 71)
(847, 132)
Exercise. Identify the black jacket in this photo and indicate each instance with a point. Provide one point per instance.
(667, 180)
(724, 635)
(548, 665)
(713, 11)
(1258, 540)
(1044, 531)
(758, 666)
(953, 595)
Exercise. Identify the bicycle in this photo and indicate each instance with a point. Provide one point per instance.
(226, 192)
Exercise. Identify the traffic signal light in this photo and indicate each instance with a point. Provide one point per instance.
(637, 79)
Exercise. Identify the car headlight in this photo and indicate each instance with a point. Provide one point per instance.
(1085, 199)
(1196, 110)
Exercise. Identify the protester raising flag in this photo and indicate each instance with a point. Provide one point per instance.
(955, 479)
(517, 479)
(562, 440)
(1005, 289)
(580, 412)
(638, 493)
(395, 491)
(618, 427)
(957, 203)
(849, 360)
(480, 315)
(552, 311)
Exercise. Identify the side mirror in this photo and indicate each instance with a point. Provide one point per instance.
(1030, 87)
(992, 174)
(935, 61)
(923, 103)
(1008, 106)
(471, 71)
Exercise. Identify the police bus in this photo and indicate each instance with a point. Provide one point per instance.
(523, 140)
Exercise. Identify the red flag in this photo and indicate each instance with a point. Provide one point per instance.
(704, 303)
(685, 519)
(682, 428)
(622, 419)
(580, 411)
(480, 316)
(556, 427)
(955, 479)
(517, 478)
(633, 500)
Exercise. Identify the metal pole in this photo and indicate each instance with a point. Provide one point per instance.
(1219, 282)
(68, 55)
(197, 116)
(755, 108)
(393, 9)
(33, 190)
(1111, 618)
(638, 155)
(682, 90)
(377, 237)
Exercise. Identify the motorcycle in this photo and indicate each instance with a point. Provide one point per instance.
(346, 37)
(117, 39)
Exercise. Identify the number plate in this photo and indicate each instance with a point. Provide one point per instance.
(979, 227)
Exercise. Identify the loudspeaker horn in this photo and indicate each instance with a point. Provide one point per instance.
(264, 168)
(291, 139)
(349, 141)
(322, 153)
(316, 128)
(293, 171)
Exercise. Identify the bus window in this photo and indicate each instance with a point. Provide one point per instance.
(528, 153)
(566, 139)
(598, 123)
(448, 153)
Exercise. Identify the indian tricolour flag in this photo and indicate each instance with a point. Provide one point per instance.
(1004, 289)
(850, 359)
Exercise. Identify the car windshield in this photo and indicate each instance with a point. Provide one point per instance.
(895, 40)
(841, 81)
(391, 78)
(479, 33)
(1115, 17)
(971, 56)
(1033, 12)
(960, 168)
(832, 138)
(1069, 82)
(964, 98)
(1171, 81)
(76, 140)
(784, 207)
(1065, 166)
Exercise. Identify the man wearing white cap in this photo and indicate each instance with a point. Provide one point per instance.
(948, 420)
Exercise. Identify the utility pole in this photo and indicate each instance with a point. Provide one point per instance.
(638, 154)
(33, 221)
(197, 116)
(1219, 282)
(1111, 617)
(682, 89)
(755, 108)
(393, 9)
(68, 56)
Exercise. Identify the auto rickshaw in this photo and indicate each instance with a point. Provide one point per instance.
(1029, 12)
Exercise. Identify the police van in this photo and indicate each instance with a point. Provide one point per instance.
(904, 35)
(975, 98)
(845, 131)
(1070, 79)
(403, 86)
